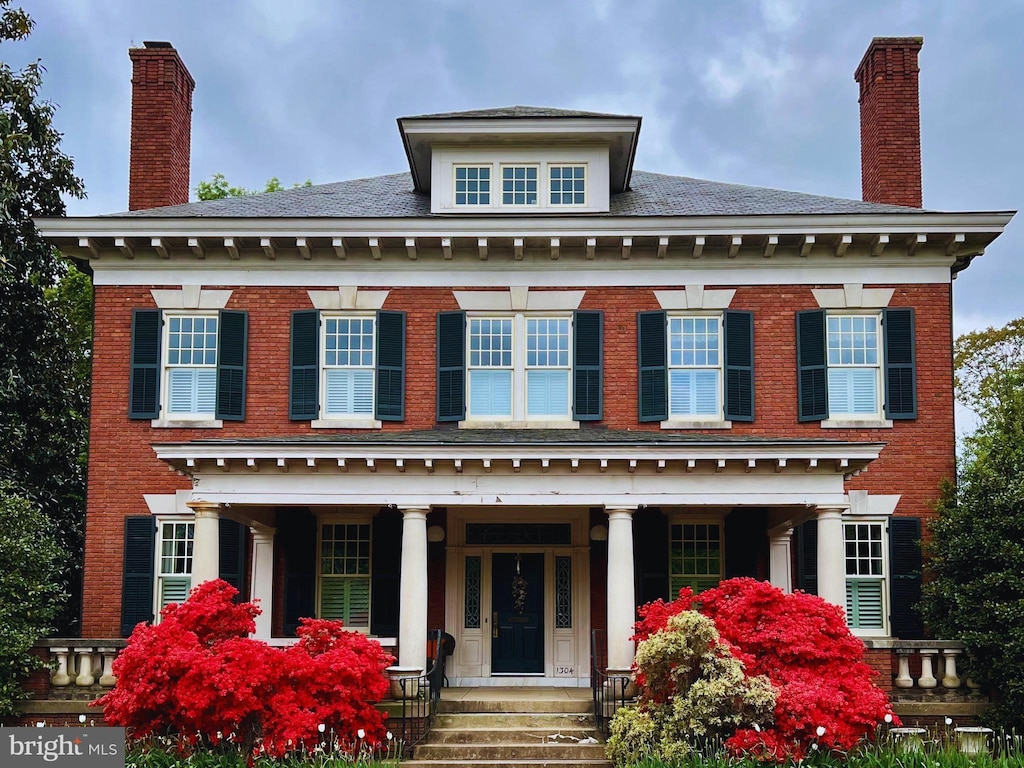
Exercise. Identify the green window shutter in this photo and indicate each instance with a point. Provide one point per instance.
(864, 603)
(807, 557)
(347, 599)
(390, 400)
(738, 328)
(137, 581)
(232, 343)
(653, 367)
(905, 582)
(234, 554)
(451, 366)
(304, 391)
(174, 589)
(900, 368)
(587, 343)
(144, 383)
(812, 371)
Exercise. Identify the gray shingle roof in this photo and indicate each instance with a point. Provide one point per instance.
(516, 111)
(392, 196)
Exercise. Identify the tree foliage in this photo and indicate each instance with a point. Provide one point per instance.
(217, 188)
(982, 358)
(30, 595)
(44, 375)
(975, 593)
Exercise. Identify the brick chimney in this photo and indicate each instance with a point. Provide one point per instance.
(890, 121)
(161, 127)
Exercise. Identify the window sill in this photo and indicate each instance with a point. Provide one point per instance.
(695, 424)
(856, 424)
(345, 424)
(532, 424)
(186, 424)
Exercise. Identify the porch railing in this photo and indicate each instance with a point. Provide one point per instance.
(608, 691)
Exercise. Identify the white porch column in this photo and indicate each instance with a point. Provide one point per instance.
(205, 542)
(621, 590)
(261, 578)
(779, 563)
(412, 620)
(831, 556)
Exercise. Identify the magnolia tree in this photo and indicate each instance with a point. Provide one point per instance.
(823, 694)
(198, 675)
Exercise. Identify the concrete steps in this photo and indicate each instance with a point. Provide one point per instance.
(481, 728)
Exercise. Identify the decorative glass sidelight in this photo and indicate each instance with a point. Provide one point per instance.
(563, 592)
(472, 604)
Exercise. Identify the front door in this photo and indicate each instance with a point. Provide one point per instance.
(517, 598)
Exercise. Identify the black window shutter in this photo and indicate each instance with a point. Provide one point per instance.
(812, 371)
(745, 534)
(650, 552)
(738, 327)
(900, 370)
(137, 583)
(232, 342)
(807, 557)
(234, 555)
(390, 398)
(144, 385)
(451, 366)
(905, 584)
(303, 392)
(297, 532)
(587, 340)
(385, 577)
(651, 355)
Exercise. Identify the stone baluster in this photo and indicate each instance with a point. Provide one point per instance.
(951, 679)
(903, 678)
(107, 679)
(85, 676)
(61, 677)
(927, 678)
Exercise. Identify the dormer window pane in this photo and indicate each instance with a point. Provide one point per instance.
(519, 185)
(568, 184)
(472, 185)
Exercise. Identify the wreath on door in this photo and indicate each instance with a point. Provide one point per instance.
(519, 585)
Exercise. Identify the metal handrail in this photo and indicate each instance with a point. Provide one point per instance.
(608, 691)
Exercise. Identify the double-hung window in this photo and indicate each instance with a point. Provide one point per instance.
(696, 368)
(347, 368)
(345, 573)
(174, 561)
(519, 367)
(188, 366)
(865, 576)
(856, 367)
(695, 556)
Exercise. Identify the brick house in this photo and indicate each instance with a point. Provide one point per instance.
(519, 389)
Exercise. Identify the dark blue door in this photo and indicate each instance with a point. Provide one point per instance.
(517, 596)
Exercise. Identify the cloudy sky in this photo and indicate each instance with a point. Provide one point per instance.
(758, 93)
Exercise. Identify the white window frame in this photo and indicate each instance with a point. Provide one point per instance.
(877, 416)
(675, 578)
(519, 369)
(206, 417)
(347, 419)
(882, 579)
(538, 184)
(158, 565)
(586, 184)
(321, 576)
(490, 185)
(716, 418)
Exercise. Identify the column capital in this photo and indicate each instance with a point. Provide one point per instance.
(834, 511)
(781, 532)
(262, 534)
(620, 512)
(204, 508)
(411, 513)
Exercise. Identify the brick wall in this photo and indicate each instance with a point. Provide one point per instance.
(123, 466)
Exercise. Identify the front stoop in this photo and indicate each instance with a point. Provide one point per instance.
(512, 728)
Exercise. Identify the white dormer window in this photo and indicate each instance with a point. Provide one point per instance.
(567, 184)
(472, 185)
(519, 185)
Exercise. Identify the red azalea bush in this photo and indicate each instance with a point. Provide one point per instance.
(803, 645)
(198, 675)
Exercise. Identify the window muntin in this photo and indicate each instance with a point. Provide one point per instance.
(519, 185)
(345, 573)
(519, 364)
(695, 366)
(567, 184)
(854, 365)
(348, 356)
(472, 185)
(190, 370)
(865, 575)
(695, 556)
(174, 562)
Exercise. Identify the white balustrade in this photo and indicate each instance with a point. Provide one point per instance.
(82, 663)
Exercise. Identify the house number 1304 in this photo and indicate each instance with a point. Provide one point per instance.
(564, 670)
